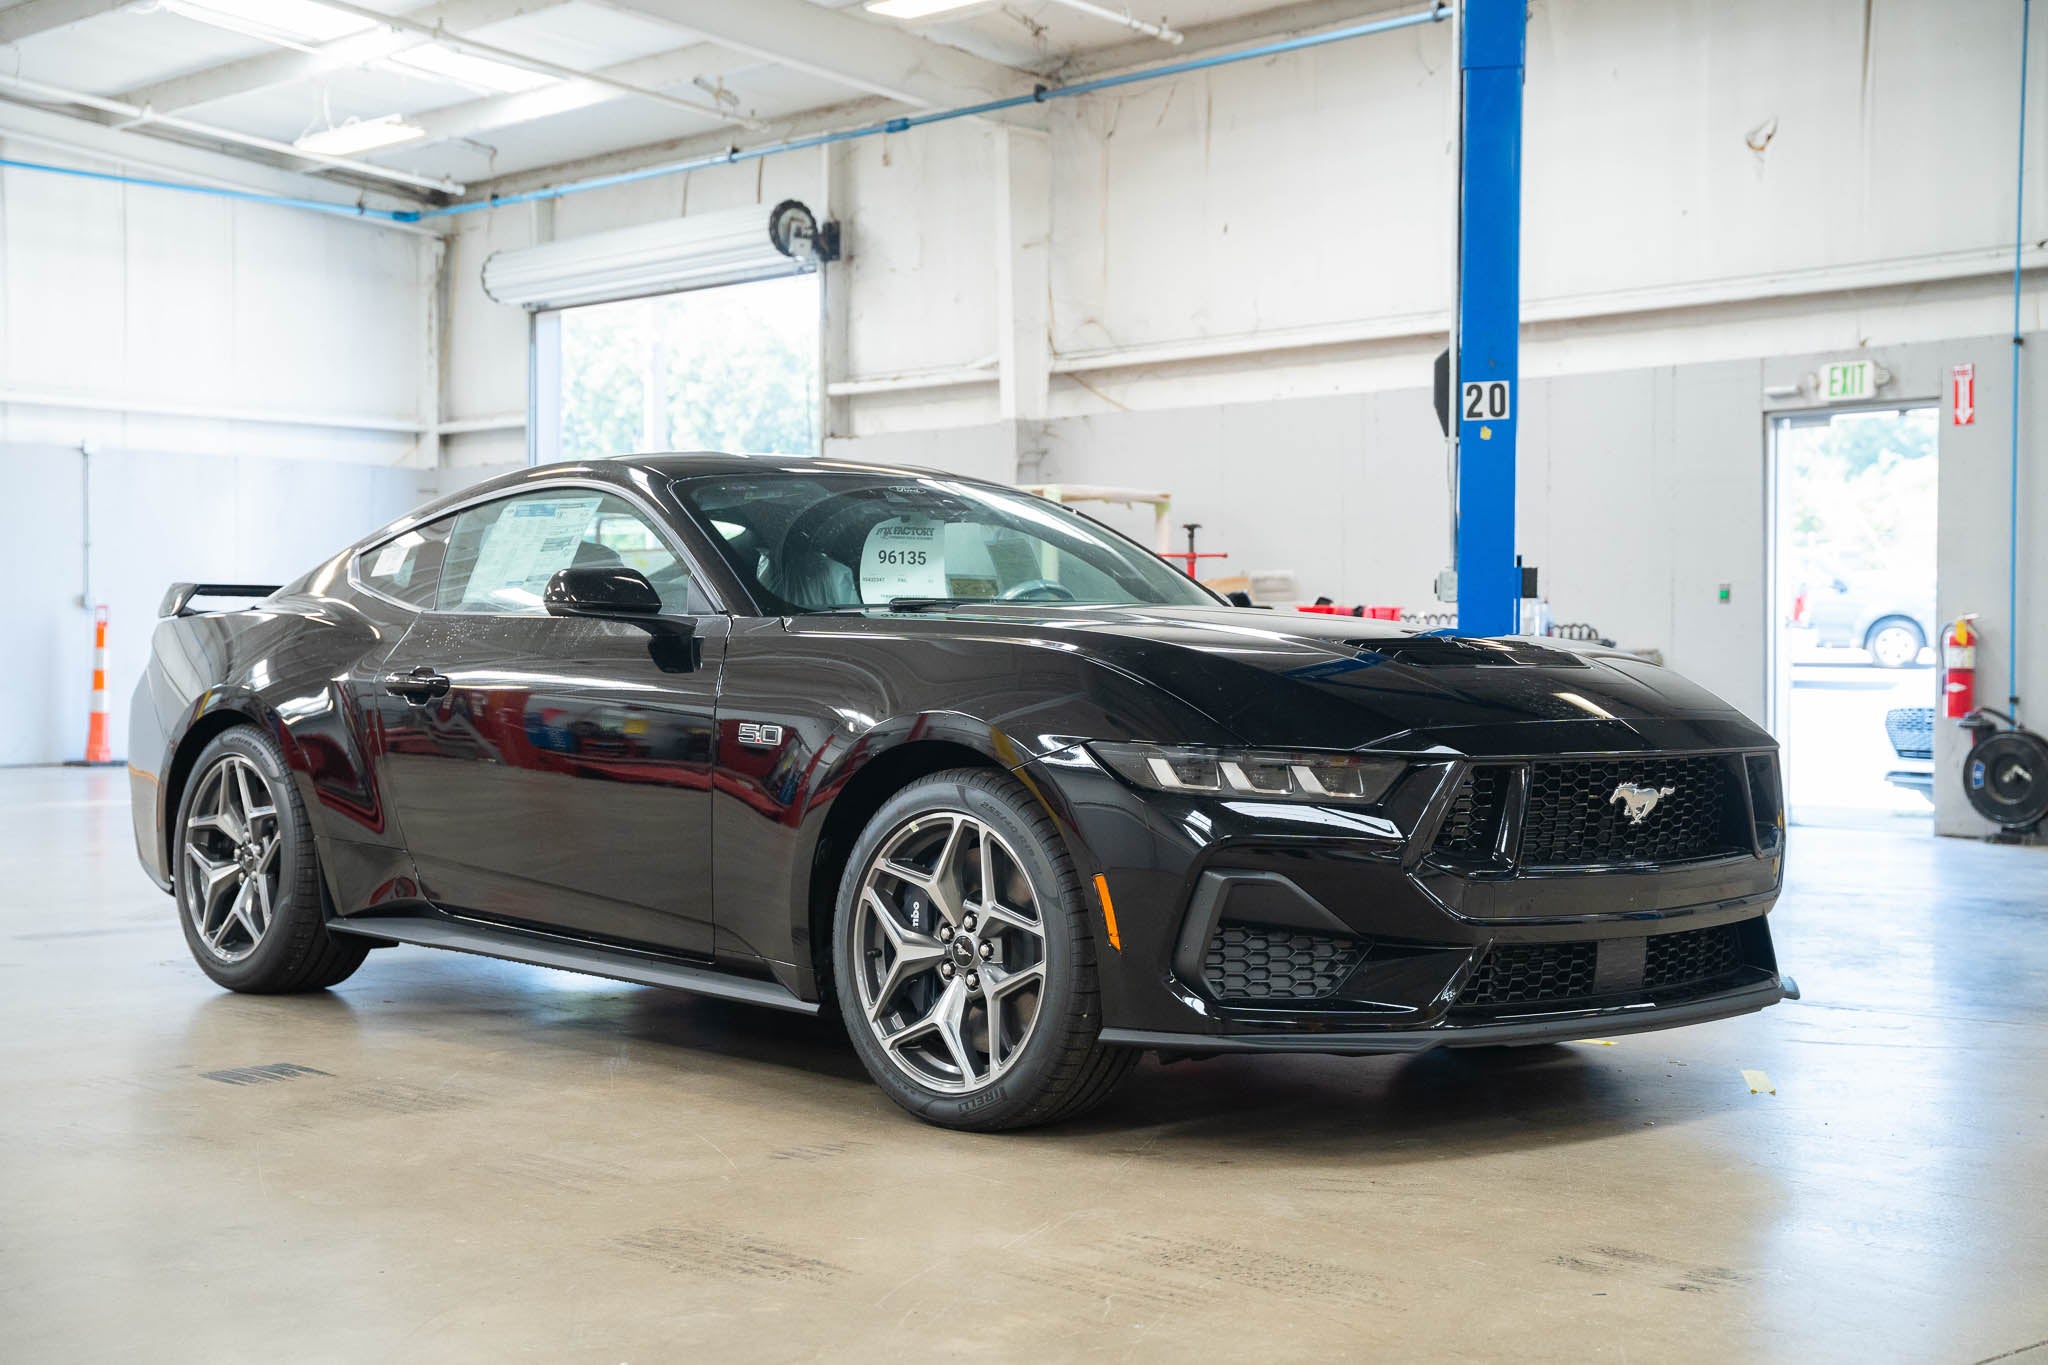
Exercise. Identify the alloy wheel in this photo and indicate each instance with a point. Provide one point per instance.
(1895, 647)
(949, 951)
(231, 854)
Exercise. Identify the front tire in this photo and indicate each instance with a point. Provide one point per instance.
(1895, 642)
(965, 964)
(246, 877)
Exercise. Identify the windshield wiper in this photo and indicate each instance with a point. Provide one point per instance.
(925, 603)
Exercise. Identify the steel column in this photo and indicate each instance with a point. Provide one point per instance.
(1488, 395)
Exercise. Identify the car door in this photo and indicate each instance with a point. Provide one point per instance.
(1833, 606)
(555, 772)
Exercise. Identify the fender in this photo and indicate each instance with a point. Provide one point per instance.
(305, 707)
(866, 768)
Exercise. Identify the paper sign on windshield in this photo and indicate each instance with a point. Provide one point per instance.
(903, 558)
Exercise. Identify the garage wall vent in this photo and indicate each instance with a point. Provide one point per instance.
(697, 252)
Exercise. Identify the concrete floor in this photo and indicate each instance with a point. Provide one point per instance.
(454, 1159)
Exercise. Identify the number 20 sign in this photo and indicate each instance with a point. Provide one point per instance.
(1484, 400)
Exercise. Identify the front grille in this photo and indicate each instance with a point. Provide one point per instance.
(1254, 962)
(1693, 956)
(1911, 730)
(1528, 973)
(1577, 813)
(1471, 827)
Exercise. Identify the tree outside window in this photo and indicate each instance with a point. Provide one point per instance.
(733, 368)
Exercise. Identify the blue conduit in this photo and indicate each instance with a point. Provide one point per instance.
(1436, 13)
(2019, 245)
(216, 191)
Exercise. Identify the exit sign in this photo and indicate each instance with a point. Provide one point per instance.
(1848, 380)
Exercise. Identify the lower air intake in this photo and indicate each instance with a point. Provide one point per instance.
(1690, 957)
(1255, 962)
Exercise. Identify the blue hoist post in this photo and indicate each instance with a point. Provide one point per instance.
(1487, 400)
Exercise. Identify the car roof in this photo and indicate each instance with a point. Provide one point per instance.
(685, 464)
(698, 464)
(630, 471)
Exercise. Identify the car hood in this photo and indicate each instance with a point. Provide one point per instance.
(1298, 679)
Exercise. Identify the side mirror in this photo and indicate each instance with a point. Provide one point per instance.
(604, 593)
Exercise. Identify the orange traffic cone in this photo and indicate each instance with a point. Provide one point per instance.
(97, 747)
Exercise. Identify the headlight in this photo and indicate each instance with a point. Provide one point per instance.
(1275, 774)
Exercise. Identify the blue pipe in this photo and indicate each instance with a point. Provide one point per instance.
(216, 191)
(2019, 242)
(1436, 13)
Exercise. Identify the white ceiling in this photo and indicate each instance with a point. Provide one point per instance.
(741, 64)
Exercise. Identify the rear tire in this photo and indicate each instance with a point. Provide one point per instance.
(967, 975)
(246, 877)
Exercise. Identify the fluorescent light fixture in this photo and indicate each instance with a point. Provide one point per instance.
(288, 23)
(918, 9)
(360, 135)
(491, 77)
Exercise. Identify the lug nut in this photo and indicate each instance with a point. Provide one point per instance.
(946, 970)
(945, 933)
(988, 950)
(974, 981)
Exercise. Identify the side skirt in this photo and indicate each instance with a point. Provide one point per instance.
(569, 955)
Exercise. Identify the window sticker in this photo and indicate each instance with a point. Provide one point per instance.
(903, 557)
(529, 542)
(972, 587)
(391, 556)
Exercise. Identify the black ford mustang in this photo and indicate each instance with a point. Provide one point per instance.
(1011, 794)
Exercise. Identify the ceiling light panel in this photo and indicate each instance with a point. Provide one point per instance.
(288, 23)
(366, 135)
(920, 9)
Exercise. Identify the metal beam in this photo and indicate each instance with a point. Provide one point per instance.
(474, 117)
(1493, 39)
(863, 53)
(285, 66)
(1023, 175)
(627, 159)
(31, 17)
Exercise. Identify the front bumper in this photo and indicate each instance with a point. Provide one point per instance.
(1565, 1027)
(1270, 926)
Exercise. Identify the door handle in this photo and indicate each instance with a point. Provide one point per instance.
(419, 687)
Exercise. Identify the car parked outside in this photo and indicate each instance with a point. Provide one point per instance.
(1887, 614)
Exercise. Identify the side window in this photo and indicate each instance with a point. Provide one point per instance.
(407, 568)
(502, 554)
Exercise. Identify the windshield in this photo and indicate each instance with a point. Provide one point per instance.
(829, 541)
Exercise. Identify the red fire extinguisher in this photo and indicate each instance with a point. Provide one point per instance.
(1959, 668)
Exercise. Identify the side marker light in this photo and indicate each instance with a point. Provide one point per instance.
(1108, 911)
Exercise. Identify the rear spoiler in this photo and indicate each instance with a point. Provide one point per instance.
(178, 600)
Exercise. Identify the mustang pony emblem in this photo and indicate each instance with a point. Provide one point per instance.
(1639, 801)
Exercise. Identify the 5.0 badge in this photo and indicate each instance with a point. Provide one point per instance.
(755, 735)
